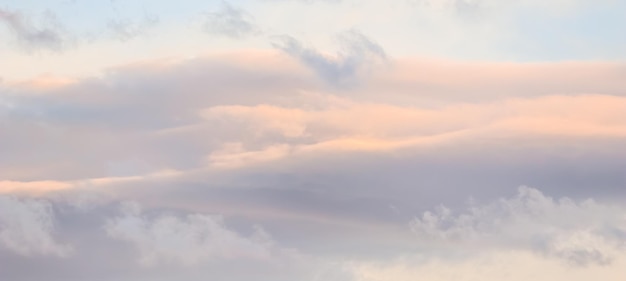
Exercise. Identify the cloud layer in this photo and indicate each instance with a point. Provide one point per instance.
(342, 140)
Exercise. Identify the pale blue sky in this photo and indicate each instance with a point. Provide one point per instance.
(491, 31)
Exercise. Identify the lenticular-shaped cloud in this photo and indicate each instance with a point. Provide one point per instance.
(27, 227)
(269, 132)
(580, 233)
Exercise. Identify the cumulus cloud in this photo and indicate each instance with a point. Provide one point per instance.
(580, 233)
(47, 35)
(27, 227)
(359, 53)
(229, 21)
(187, 240)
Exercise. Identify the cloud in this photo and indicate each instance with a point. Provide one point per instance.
(581, 233)
(229, 21)
(49, 35)
(43, 188)
(335, 172)
(527, 236)
(330, 126)
(125, 30)
(234, 155)
(187, 240)
(12, 187)
(49, 114)
(27, 227)
(261, 121)
(359, 53)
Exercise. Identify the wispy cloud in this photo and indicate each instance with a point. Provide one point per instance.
(48, 35)
(357, 54)
(229, 21)
(125, 30)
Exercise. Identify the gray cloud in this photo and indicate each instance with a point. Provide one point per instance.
(140, 120)
(48, 35)
(358, 53)
(174, 243)
(27, 227)
(229, 21)
(565, 229)
(192, 246)
(190, 240)
(124, 94)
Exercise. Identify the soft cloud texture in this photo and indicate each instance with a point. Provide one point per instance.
(27, 227)
(125, 30)
(528, 236)
(580, 233)
(357, 55)
(48, 35)
(229, 21)
(345, 149)
(195, 117)
(189, 240)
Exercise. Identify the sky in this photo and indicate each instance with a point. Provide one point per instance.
(312, 140)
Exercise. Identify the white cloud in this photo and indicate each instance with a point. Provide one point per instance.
(188, 240)
(580, 233)
(27, 226)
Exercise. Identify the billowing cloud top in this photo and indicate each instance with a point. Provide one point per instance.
(312, 140)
